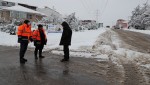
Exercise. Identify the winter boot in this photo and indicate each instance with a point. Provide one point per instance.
(22, 61)
(41, 56)
(63, 60)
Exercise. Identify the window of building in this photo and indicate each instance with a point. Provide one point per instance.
(17, 15)
(4, 4)
(29, 16)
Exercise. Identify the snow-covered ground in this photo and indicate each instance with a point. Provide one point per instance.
(101, 44)
(79, 39)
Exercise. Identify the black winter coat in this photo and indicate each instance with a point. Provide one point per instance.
(66, 35)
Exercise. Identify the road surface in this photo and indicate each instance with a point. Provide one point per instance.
(139, 41)
(49, 71)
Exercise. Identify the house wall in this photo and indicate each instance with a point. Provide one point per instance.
(10, 15)
(34, 17)
(124, 25)
(17, 15)
(121, 24)
(5, 15)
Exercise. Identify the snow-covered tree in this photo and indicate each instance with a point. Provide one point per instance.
(140, 18)
(73, 21)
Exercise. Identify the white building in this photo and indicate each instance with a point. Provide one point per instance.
(52, 15)
(20, 13)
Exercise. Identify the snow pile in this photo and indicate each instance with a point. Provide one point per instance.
(8, 40)
(115, 51)
(82, 43)
(80, 40)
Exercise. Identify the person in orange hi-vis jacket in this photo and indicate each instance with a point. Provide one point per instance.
(24, 37)
(40, 39)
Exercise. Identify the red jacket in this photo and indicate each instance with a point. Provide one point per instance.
(36, 35)
(24, 31)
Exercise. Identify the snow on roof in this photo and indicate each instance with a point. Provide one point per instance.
(125, 22)
(19, 1)
(22, 9)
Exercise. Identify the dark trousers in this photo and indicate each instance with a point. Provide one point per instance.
(66, 52)
(23, 49)
(38, 47)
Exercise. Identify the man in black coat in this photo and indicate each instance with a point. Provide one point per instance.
(66, 40)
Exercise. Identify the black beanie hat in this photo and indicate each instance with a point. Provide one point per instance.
(26, 21)
(39, 25)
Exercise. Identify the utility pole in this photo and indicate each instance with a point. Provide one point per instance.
(97, 15)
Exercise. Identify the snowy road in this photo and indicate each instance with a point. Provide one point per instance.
(134, 73)
(139, 41)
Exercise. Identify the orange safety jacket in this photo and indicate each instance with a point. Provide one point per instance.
(24, 31)
(36, 35)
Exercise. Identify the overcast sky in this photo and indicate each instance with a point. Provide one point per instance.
(109, 10)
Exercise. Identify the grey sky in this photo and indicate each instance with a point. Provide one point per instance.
(86, 9)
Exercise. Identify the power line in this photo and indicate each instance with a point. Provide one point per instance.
(104, 8)
(87, 4)
(97, 15)
(88, 8)
(84, 6)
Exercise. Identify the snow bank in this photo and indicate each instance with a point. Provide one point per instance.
(80, 40)
(140, 31)
(109, 47)
(7, 40)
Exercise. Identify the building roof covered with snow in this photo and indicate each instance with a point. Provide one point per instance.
(22, 9)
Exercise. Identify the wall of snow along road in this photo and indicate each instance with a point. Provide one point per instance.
(140, 31)
(80, 40)
(110, 43)
(8, 40)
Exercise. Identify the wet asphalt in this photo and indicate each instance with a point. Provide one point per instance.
(47, 71)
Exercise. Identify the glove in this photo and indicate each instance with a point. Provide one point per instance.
(35, 43)
(19, 39)
(45, 41)
(31, 39)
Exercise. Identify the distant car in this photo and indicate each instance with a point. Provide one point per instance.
(107, 26)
